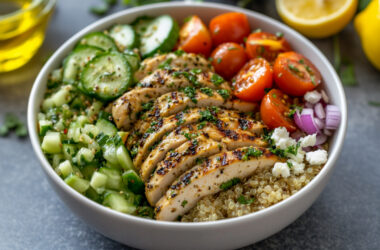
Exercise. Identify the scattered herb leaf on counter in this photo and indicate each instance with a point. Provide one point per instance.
(374, 103)
(244, 3)
(344, 67)
(12, 122)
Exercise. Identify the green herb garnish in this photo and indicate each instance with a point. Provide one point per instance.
(224, 93)
(228, 184)
(217, 79)
(244, 201)
(12, 122)
(207, 91)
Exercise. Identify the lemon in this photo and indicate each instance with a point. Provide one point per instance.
(317, 18)
(367, 24)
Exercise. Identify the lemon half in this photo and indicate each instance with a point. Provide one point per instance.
(317, 18)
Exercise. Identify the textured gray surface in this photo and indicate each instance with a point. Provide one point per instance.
(346, 215)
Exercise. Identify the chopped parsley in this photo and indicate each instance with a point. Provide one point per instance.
(218, 60)
(184, 202)
(228, 184)
(201, 125)
(232, 48)
(166, 64)
(207, 91)
(179, 52)
(373, 103)
(251, 152)
(224, 93)
(134, 151)
(290, 165)
(147, 106)
(191, 93)
(199, 161)
(293, 68)
(190, 136)
(217, 79)
(206, 115)
(196, 71)
(244, 201)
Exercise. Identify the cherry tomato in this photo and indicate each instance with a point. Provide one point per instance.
(266, 45)
(294, 74)
(194, 37)
(228, 59)
(229, 27)
(252, 80)
(274, 110)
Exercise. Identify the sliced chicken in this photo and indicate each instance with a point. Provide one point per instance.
(126, 108)
(217, 173)
(180, 160)
(174, 102)
(165, 125)
(226, 128)
(175, 60)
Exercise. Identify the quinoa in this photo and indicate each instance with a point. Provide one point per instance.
(266, 190)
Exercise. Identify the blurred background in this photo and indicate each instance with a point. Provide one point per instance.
(346, 216)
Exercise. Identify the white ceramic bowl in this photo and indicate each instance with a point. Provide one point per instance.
(224, 234)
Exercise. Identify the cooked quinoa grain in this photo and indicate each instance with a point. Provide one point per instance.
(266, 190)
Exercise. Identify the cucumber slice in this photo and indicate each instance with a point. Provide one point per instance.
(79, 184)
(52, 143)
(44, 126)
(65, 168)
(156, 35)
(107, 76)
(98, 182)
(133, 182)
(124, 36)
(74, 63)
(114, 180)
(133, 59)
(123, 158)
(106, 127)
(98, 39)
(118, 202)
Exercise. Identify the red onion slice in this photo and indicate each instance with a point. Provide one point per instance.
(308, 123)
(308, 105)
(319, 111)
(321, 138)
(333, 117)
(320, 124)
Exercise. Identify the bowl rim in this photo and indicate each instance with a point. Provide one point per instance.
(32, 118)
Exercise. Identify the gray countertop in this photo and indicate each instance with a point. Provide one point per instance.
(345, 216)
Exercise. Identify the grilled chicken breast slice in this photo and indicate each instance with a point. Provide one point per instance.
(159, 128)
(174, 102)
(181, 159)
(225, 128)
(175, 60)
(210, 177)
(127, 107)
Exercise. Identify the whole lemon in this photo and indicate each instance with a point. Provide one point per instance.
(367, 24)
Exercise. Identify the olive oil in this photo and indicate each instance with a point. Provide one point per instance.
(22, 30)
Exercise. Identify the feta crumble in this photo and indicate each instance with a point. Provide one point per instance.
(281, 138)
(281, 169)
(297, 167)
(308, 141)
(317, 157)
(313, 97)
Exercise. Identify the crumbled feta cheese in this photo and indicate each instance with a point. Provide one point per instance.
(281, 138)
(317, 157)
(313, 96)
(297, 167)
(281, 169)
(308, 141)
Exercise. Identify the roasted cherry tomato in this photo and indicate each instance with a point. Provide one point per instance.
(252, 80)
(194, 37)
(229, 27)
(267, 45)
(274, 110)
(228, 59)
(294, 74)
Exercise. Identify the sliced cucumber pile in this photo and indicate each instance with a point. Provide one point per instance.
(124, 36)
(156, 35)
(78, 58)
(98, 39)
(107, 76)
